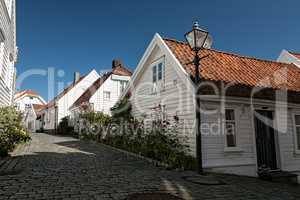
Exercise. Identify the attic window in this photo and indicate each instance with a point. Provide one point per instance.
(106, 95)
(158, 73)
(154, 74)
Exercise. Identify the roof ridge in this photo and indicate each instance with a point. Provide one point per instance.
(102, 79)
(68, 87)
(229, 53)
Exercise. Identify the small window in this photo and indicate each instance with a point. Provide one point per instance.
(297, 126)
(158, 77)
(160, 72)
(123, 85)
(154, 74)
(106, 95)
(92, 106)
(230, 128)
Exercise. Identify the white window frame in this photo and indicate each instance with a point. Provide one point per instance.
(297, 151)
(236, 148)
(104, 95)
(158, 85)
(122, 84)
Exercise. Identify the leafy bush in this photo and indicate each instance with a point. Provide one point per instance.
(11, 130)
(160, 144)
(64, 128)
(96, 118)
(122, 110)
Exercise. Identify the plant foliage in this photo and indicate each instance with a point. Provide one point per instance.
(11, 130)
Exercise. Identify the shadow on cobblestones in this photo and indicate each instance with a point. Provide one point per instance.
(65, 168)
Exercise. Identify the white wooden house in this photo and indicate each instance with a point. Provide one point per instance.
(58, 108)
(33, 117)
(29, 103)
(8, 51)
(239, 95)
(26, 98)
(102, 95)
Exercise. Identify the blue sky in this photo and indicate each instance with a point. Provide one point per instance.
(75, 35)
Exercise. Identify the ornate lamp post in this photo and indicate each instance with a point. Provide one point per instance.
(196, 39)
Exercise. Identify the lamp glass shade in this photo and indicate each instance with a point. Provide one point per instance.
(196, 38)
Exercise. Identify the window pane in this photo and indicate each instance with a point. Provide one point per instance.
(122, 85)
(154, 74)
(160, 71)
(229, 114)
(297, 119)
(106, 95)
(298, 137)
(230, 134)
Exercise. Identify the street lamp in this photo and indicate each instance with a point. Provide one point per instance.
(196, 39)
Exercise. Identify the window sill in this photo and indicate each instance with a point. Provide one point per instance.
(232, 150)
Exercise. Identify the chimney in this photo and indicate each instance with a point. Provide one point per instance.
(76, 77)
(116, 63)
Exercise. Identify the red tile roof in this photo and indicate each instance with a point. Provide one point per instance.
(85, 97)
(121, 71)
(232, 68)
(25, 92)
(37, 108)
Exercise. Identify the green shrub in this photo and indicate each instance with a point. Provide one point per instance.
(122, 110)
(64, 128)
(96, 118)
(163, 143)
(157, 145)
(11, 130)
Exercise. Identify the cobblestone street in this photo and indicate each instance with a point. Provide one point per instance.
(55, 167)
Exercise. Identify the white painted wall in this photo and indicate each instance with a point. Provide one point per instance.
(8, 52)
(177, 96)
(217, 156)
(65, 102)
(29, 100)
(112, 85)
(290, 158)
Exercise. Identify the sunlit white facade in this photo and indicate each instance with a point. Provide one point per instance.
(8, 51)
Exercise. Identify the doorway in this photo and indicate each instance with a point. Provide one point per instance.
(265, 141)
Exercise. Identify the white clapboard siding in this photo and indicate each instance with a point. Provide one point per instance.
(214, 146)
(290, 160)
(176, 97)
(110, 85)
(68, 99)
(8, 50)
